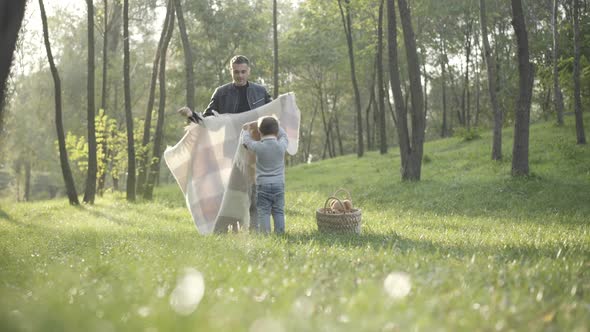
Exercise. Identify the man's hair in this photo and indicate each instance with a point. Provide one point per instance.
(238, 59)
(268, 126)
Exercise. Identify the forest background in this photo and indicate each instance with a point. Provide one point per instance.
(178, 52)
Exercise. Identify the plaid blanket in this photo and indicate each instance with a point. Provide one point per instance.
(214, 170)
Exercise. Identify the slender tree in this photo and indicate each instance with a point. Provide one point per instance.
(580, 135)
(115, 28)
(394, 76)
(128, 114)
(326, 120)
(159, 134)
(63, 153)
(557, 95)
(443, 79)
(90, 191)
(275, 35)
(27, 194)
(477, 69)
(188, 56)
(347, 23)
(370, 105)
(520, 149)
(147, 124)
(380, 92)
(465, 107)
(492, 87)
(410, 149)
(105, 62)
(103, 101)
(11, 16)
(425, 75)
(310, 132)
(414, 168)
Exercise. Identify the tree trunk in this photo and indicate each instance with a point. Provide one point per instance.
(477, 95)
(325, 122)
(17, 175)
(477, 83)
(413, 168)
(308, 150)
(443, 60)
(330, 141)
(492, 88)
(580, 135)
(346, 21)
(115, 26)
(275, 35)
(465, 116)
(557, 95)
(103, 102)
(394, 77)
(11, 16)
(27, 196)
(368, 109)
(374, 129)
(188, 57)
(393, 132)
(380, 93)
(457, 101)
(159, 134)
(520, 150)
(425, 87)
(147, 124)
(128, 114)
(336, 122)
(90, 191)
(327, 141)
(545, 105)
(63, 152)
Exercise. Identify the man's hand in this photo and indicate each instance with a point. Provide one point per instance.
(250, 125)
(185, 111)
(192, 117)
(252, 128)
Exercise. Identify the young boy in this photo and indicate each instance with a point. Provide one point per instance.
(270, 172)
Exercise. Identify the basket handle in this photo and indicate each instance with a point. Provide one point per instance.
(343, 190)
(332, 198)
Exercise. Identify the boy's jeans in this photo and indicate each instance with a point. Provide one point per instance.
(270, 199)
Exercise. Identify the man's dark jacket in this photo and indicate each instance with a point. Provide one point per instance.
(225, 99)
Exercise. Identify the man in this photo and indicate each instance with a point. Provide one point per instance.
(238, 96)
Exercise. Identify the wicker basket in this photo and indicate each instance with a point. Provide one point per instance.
(346, 222)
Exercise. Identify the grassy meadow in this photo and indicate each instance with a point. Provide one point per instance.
(468, 248)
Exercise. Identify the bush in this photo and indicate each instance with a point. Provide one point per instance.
(467, 134)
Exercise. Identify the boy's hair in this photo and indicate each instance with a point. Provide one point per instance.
(268, 126)
(238, 59)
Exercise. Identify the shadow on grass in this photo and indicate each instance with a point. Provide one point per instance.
(70, 241)
(4, 215)
(10, 219)
(110, 216)
(534, 198)
(397, 244)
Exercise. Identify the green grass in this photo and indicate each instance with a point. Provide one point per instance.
(483, 251)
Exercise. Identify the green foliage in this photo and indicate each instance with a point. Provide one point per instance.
(111, 149)
(467, 134)
(77, 151)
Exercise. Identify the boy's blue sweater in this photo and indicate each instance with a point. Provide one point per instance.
(270, 156)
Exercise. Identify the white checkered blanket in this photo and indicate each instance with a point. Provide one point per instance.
(214, 170)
